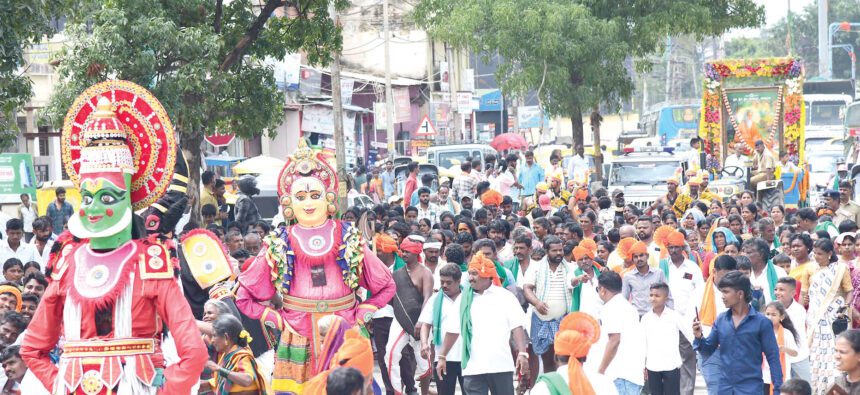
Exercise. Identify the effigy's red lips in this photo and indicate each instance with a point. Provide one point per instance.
(95, 218)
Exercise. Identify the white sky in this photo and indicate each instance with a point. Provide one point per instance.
(774, 11)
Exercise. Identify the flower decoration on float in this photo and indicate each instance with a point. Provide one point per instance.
(790, 99)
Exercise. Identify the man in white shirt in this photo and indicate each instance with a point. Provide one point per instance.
(13, 245)
(547, 292)
(577, 169)
(27, 213)
(684, 278)
(737, 159)
(43, 239)
(491, 316)
(435, 315)
(785, 288)
(583, 282)
(621, 357)
(706, 305)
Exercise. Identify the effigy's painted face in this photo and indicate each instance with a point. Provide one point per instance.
(105, 214)
(309, 202)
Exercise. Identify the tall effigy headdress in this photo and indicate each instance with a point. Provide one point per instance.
(305, 163)
(118, 126)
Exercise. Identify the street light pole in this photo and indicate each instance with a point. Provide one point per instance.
(823, 40)
(389, 99)
(337, 113)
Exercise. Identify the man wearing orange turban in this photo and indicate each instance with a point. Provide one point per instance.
(355, 352)
(684, 279)
(584, 282)
(637, 283)
(577, 332)
(491, 198)
(489, 318)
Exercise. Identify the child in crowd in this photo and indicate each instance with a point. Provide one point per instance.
(786, 338)
(783, 261)
(662, 356)
(786, 293)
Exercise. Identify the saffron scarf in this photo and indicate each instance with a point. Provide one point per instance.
(780, 341)
(576, 299)
(708, 309)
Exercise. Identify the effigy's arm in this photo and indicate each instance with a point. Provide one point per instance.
(376, 278)
(182, 376)
(256, 286)
(41, 339)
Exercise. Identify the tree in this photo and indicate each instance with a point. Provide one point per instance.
(22, 23)
(578, 48)
(804, 38)
(201, 59)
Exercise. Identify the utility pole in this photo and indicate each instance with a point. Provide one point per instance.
(337, 113)
(668, 68)
(389, 98)
(823, 42)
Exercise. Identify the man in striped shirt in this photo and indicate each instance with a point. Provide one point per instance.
(546, 290)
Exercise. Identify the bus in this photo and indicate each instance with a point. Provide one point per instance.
(662, 127)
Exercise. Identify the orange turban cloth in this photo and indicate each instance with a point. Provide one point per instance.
(580, 252)
(661, 237)
(588, 244)
(638, 248)
(580, 194)
(385, 243)
(675, 239)
(624, 248)
(355, 352)
(485, 268)
(9, 289)
(491, 198)
(576, 333)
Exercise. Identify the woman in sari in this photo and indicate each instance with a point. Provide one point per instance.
(830, 290)
(332, 329)
(717, 241)
(236, 371)
(690, 219)
(801, 264)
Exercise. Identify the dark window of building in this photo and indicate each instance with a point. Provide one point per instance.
(41, 173)
(44, 144)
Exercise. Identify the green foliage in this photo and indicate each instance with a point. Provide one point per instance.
(181, 51)
(22, 23)
(578, 49)
(804, 38)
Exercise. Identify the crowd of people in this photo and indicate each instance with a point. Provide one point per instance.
(513, 278)
(750, 296)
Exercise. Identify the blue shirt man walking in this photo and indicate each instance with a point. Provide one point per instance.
(530, 175)
(742, 335)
